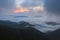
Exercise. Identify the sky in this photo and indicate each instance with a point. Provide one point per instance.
(52, 5)
(33, 11)
(14, 8)
(52, 8)
(7, 3)
(22, 10)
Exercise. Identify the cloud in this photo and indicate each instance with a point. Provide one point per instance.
(7, 3)
(29, 3)
(52, 5)
(4, 14)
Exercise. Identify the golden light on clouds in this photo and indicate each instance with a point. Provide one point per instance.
(37, 8)
(19, 10)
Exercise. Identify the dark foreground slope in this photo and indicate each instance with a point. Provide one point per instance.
(55, 35)
(11, 33)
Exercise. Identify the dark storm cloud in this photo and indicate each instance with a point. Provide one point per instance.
(52, 5)
(7, 3)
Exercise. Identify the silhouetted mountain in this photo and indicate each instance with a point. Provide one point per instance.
(55, 35)
(8, 23)
(8, 31)
(33, 34)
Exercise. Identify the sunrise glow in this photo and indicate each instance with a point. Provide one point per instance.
(19, 10)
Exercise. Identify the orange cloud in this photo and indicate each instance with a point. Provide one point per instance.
(19, 10)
